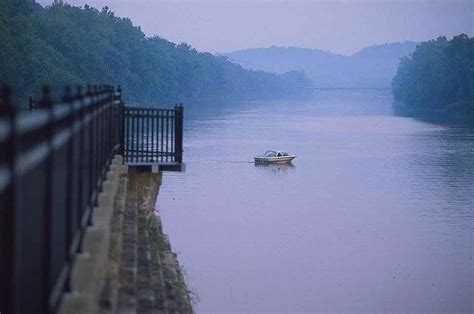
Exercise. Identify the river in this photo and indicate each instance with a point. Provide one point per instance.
(375, 214)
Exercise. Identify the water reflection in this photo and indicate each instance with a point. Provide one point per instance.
(276, 168)
(441, 117)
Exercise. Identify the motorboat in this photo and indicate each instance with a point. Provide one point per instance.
(274, 156)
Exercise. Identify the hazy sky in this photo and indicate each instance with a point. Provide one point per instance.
(339, 26)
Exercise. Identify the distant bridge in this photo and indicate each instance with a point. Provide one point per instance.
(348, 88)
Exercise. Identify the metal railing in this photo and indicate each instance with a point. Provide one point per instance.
(153, 136)
(52, 165)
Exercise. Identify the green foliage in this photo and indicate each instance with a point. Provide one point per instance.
(64, 44)
(438, 76)
(25, 58)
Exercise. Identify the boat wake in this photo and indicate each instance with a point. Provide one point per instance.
(235, 162)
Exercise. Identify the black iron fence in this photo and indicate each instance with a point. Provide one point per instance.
(153, 136)
(52, 165)
(53, 160)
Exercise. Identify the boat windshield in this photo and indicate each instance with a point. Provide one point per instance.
(270, 153)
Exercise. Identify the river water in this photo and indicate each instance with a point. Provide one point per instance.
(375, 214)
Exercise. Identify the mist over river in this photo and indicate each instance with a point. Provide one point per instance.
(375, 214)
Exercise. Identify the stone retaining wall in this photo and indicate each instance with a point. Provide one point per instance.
(127, 265)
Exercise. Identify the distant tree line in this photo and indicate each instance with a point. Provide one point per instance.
(438, 77)
(63, 44)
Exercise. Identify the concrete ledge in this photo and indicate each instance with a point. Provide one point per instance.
(90, 267)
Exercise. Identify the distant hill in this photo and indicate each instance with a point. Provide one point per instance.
(373, 66)
(64, 44)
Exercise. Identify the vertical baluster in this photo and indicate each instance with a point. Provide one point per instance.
(181, 133)
(174, 134)
(142, 134)
(91, 149)
(134, 132)
(125, 123)
(172, 129)
(8, 218)
(137, 130)
(167, 134)
(178, 130)
(100, 141)
(153, 135)
(145, 136)
(97, 138)
(162, 134)
(126, 138)
(47, 104)
(137, 136)
(125, 127)
(147, 143)
(71, 120)
(80, 167)
(148, 136)
(128, 143)
(131, 118)
(157, 135)
(103, 138)
(112, 122)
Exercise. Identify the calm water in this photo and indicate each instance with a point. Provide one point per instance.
(375, 214)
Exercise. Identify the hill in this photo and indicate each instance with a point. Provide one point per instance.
(63, 44)
(372, 67)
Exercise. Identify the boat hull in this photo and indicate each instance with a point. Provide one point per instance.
(274, 160)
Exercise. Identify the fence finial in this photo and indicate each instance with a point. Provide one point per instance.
(45, 101)
(67, 93)
(6, 106)
(78, 91)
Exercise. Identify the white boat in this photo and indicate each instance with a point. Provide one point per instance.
(274, 156)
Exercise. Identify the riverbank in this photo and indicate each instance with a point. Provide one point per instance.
(457, 113)
(126, 264)
(150, 275)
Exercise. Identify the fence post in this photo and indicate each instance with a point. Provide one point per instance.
(122, 122)
(80, 171)
(47, 104)
(69, 100)
(7, 204)
(178, 131)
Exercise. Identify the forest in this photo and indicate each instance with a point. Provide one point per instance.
(438, 77)
(63, 44)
